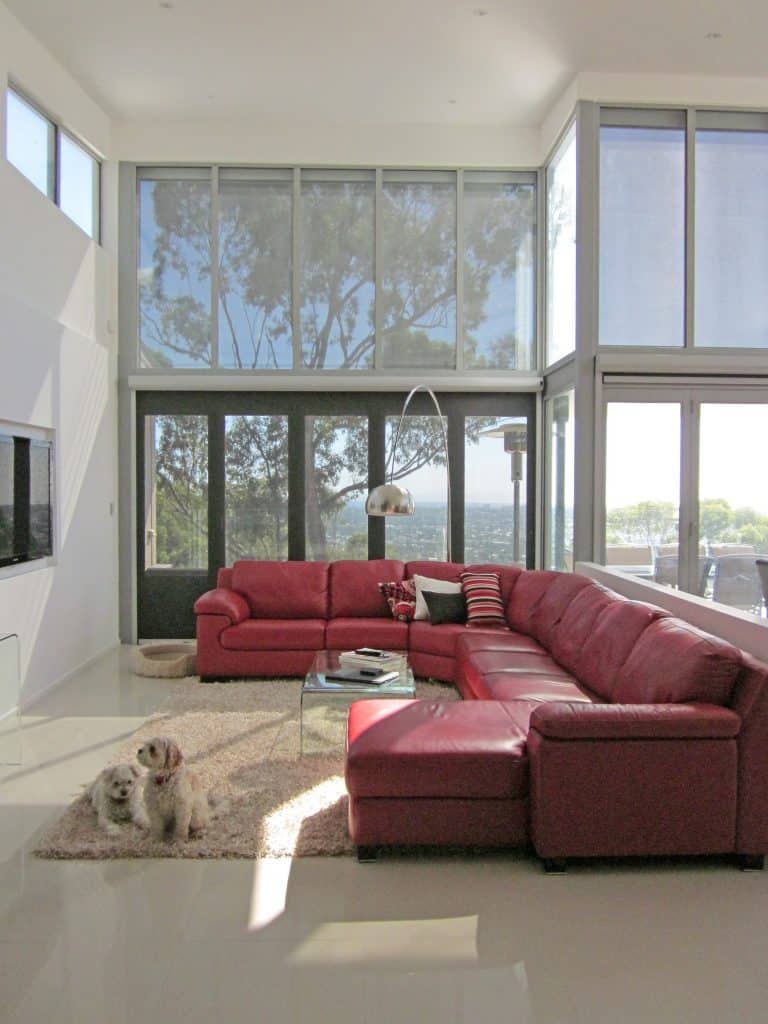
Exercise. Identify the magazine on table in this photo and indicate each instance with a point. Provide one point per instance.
(369, 677)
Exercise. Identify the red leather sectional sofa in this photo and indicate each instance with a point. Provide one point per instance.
(594, 726)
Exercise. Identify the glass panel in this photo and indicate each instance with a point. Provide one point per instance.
(78, 184)
(336, 486)
(6, 498)
(176, 472)
(642, 488)
(561, 250)
(499, 275)
(418, 282)
(731, 240)
(175, 273)
(337, 279)
(10, 701)
(561, 450)
(733, 503)
(419, 466)
(40, 532)
(255, 274)
(256, 463)
(495, 489)
(29, 143)
(642, 236)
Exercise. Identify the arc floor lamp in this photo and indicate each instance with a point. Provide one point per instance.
(390, 499)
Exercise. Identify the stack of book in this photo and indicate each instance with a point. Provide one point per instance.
(371, 657)
(367, 665)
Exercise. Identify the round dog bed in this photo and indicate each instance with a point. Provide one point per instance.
(164, 661)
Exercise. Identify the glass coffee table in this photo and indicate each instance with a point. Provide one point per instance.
(325, 702)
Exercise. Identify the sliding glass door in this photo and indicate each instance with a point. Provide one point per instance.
(685, 503)
(274, 475)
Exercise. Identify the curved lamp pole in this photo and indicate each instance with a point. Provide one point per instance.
(389, 499)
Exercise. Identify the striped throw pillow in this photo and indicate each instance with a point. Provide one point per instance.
(484, 605)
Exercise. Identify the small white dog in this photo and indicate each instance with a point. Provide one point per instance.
(174, 797)
(117, 798)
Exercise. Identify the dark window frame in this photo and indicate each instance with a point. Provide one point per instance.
(160, 588)
(22, 508)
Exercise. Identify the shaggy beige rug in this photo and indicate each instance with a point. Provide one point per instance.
(243, 740)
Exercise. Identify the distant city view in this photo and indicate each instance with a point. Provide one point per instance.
(488, 532)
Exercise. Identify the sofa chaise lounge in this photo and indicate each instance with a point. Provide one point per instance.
(592, 725)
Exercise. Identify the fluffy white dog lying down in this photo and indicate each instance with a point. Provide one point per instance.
(117, 798)
(175, 800)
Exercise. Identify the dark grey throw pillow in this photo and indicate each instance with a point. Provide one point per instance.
(445, 607)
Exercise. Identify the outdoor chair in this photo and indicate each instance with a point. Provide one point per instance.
(736, 582)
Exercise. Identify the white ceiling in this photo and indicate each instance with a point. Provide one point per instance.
(382, 62)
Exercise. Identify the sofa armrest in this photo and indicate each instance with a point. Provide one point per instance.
(577, 721)
(223, 602)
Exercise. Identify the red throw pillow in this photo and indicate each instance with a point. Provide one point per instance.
(484, 604)
(401, 598)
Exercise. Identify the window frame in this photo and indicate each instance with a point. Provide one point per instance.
(57, 131)
(691, 119)
(211, 172)
(689, 393)
(23, 443)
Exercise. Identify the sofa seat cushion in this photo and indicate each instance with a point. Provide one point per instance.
(674, 662)
(275, 635)
(442, 640)
(536, 688)
(346, 634)
(527, 663)
(492, 640)
(424, 748)
(283, 590)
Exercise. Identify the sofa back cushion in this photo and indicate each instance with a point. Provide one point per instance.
(355, 589)
(555, 601)
(611, 640)
(283, 590)
(529, 589)
(673, 662)
(450, 571)
(224, 578)
(571, 633)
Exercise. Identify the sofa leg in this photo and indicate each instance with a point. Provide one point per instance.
(366, 854)
(751, 861)
(555, 865)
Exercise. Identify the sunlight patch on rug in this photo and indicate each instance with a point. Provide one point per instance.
(243, 740)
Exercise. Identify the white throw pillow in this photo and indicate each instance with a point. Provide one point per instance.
(434, 587)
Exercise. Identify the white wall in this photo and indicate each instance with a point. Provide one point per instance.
(58, 371)
(278, 142)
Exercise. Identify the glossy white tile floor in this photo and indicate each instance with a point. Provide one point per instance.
(405, 940)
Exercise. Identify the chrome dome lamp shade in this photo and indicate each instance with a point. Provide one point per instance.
(389, 499)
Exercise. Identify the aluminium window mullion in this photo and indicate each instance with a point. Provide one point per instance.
(214, 219)
(296, 271)
(54, 163)
(690, 230)
(459, 341)
(378, 249)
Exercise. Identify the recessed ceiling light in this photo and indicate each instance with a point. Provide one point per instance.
(480, 12)
(714, 35)
(452, 101)
(166, 5)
